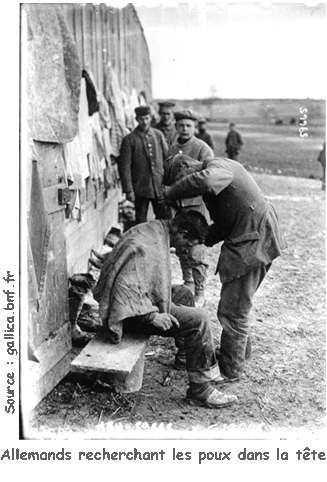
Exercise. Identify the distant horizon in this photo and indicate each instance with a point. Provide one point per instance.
(238, 98)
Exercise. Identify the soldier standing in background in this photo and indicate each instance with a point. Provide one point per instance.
(322, 160)
(140, 166)
(194, 266)
(167, 121)
(233, 142)
(203, 134)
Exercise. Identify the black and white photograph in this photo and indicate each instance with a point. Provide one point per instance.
(171, 226)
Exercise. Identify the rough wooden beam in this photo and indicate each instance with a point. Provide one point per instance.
(120, 364)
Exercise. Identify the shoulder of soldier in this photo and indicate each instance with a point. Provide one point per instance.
(158, 133)
(129, 137)
(156, 130)
(197, 141)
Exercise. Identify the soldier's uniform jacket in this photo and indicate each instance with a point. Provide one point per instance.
(168, 131)
(233, 141)
(207, 138)
(140, 162)
(242, 217)
(198, 150)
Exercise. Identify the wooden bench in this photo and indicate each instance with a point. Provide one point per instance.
(121, 365)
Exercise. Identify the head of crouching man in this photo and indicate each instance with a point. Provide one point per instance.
(188, 229)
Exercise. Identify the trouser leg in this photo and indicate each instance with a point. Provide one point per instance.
(141, 209)
(195, 329)
(181, 295)
(201, 364)
(194, 268)
(160, 210)
(199, 272)
(234, 316)
(323, 185)
(187, 276)
(232, 154)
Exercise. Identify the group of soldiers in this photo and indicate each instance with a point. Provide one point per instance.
(146, 166)
(198, 200)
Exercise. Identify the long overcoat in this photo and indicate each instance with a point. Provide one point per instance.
(141, 169)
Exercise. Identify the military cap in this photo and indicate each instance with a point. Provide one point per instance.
(186, 114)
(166, 103)
(179, 166)
(142, 110)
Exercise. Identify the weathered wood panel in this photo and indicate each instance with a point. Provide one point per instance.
(58, 345)
(101, 356)
(103, 33)
(51, 198)
(79, 32)
(121, 364)
(53, 304)
(33, 394)
(89, 234)
(87, 49)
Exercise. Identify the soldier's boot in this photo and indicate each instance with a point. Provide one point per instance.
(180, 357)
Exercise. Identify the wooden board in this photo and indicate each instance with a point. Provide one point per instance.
(49, 330)
(103, 357)
(49, 353)
(35, 393)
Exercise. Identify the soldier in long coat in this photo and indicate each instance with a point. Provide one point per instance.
(247, 225)
(140, 166)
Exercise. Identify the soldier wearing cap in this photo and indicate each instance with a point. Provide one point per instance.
(247, 225)
(140, 166)
(194, 266)
(167, 122)
(203, 134)
(233, 142)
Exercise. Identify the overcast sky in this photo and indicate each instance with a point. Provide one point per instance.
(236, 51)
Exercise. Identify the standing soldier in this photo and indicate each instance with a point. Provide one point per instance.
(203, 134)
(233, 142)
(194, 266)
(167, 122)
(322, 160)
(140, 166)
(248, 226)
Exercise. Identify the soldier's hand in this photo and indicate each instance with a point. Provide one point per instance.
(164, 321)
(130, 196)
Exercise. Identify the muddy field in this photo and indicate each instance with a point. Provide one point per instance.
(283, 391)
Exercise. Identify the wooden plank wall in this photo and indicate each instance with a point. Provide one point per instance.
(104, 34)
(49, 326)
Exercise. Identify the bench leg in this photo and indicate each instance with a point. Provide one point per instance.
(132, 382)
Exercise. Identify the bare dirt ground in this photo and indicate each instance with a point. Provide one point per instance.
(283, 391)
